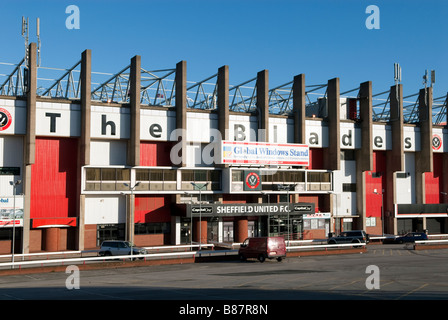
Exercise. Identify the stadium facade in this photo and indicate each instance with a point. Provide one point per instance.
(171, 167)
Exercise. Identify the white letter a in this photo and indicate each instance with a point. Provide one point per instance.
(373, 21)
(72, 21)
(373, 281)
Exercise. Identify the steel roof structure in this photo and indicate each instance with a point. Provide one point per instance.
(158, 89)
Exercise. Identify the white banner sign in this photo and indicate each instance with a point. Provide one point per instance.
(236, 152)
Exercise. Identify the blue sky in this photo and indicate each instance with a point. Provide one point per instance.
(321, 38)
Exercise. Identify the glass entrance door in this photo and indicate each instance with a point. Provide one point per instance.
(252, 230)
(185, 231)
(212, 229)
(228, 231)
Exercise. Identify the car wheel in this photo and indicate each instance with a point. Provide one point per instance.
(242, 257)
(332, 242)
(279, 259)
(261, 258)
(356, 241)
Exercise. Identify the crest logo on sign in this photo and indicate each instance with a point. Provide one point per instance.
(5, 119)
(436, 142)
(252, 181)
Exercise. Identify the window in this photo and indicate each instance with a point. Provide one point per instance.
(169, 175)
(152, 228)
(237, 176)
(10, 171)
(213, 177)
(297, 176)
(313, 176)
(349, 187)
(403, 175)
(187, 175)
(156, 175)
(325, 177)
(142, 174)
(347, 154)
(123, 175)
(319, 181)
(266, 176)
(93, 174)
(107, 179)
(108, 175)
(150, 179)
(279, 176)
(376, 174)
(200, 175)
(6, 234)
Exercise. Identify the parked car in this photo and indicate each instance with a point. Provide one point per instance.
(262, 248)
(411, 237)
(119, 248)
(353, 236)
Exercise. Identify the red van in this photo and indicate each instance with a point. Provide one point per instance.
(262, 248)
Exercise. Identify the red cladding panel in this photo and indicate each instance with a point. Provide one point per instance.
(155, 153)
(152, 209)
(54, 180)
(316, 159)
(376, 180)
(433, 180)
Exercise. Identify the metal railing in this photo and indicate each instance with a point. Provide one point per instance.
(292, 246)
(68, 261)
(82, 260)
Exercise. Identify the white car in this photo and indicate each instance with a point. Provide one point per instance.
(120, 248)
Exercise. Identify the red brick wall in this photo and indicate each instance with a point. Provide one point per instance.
(147, 240)
(90, 236)
(36, 240)
(5, 247)
(314, 234)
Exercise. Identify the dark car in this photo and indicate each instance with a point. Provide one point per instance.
(411, 237)
(353, 236)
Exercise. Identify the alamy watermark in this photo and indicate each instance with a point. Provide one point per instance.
(373, 280)
(373, 20)
(73, 20)
(73, 280)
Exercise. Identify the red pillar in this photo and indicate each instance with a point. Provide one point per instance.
(200, 226)
(241, 225)
(51, 239)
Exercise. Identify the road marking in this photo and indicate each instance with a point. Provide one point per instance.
(258, 280)
(344, 284)
(364, 293)
(313, 283)
(412, 291)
